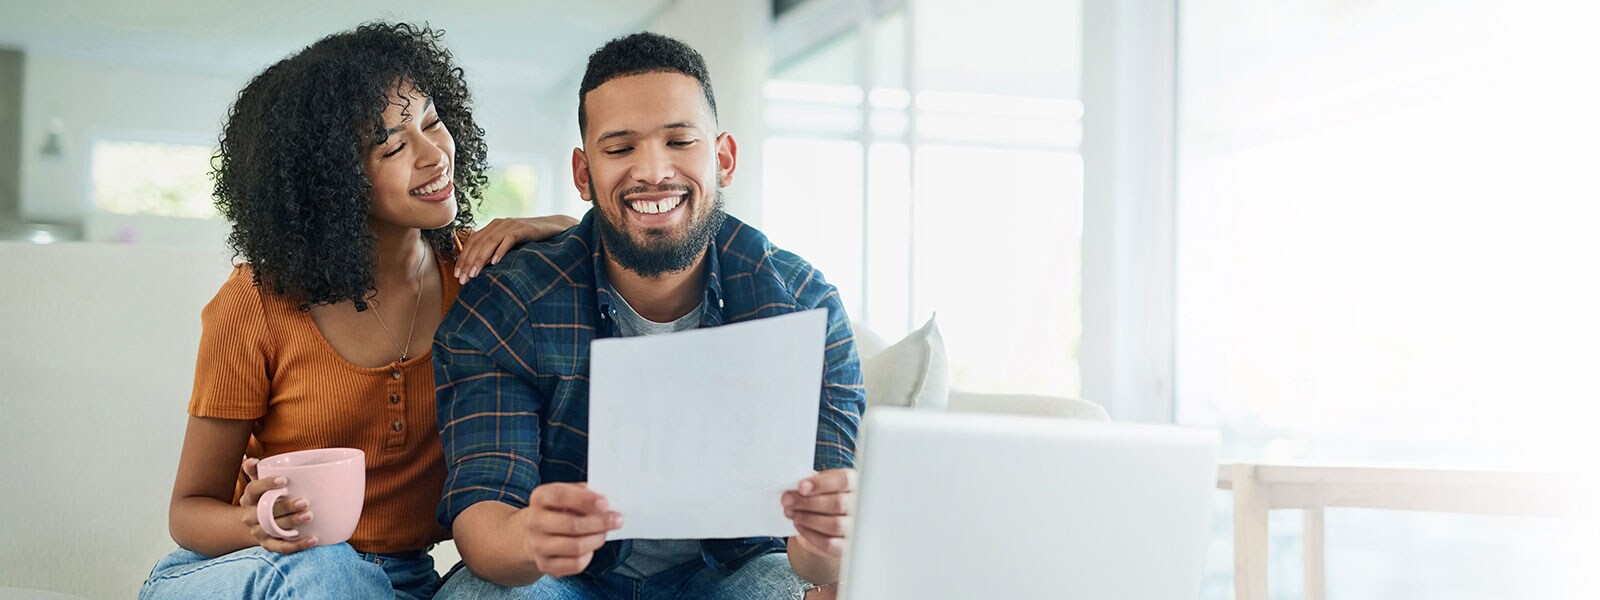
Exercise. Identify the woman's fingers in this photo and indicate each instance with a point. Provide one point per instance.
(500, 251)
(253, 491)
(288, 512)
(282, 546)
(294, 519)
(486, 245)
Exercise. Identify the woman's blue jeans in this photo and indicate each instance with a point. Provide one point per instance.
(333, 572)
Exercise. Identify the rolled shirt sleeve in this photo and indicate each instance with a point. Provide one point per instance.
(843, 391)
(489, 412)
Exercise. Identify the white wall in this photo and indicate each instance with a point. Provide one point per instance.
(101, 226)
(1129, 75)
(538, 128)
(98, 99)
(188, 105)
(558, 108)
(93, 99)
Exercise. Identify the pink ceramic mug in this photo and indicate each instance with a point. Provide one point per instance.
(333, 480)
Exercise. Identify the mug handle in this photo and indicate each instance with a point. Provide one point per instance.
(264, 515)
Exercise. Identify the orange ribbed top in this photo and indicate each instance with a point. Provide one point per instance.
(262, 359)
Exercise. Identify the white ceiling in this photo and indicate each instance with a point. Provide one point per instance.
(531, 44)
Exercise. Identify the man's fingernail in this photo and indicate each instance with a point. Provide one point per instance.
(601, 505)
(311, 542)
(805, 488)
(788, 512)
(302, 503)
(616, 521)
(279, 480)
(788, 500)
(306, 517)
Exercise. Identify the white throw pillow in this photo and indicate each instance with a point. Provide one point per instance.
(868, 343)
(914, 372)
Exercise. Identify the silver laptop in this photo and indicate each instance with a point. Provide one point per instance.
(964, 505)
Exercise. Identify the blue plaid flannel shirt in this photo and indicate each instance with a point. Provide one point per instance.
(511, 362)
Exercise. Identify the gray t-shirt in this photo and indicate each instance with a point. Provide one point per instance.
(650, 557)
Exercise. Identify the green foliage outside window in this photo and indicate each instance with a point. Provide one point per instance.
(510, 193)
(145, 178)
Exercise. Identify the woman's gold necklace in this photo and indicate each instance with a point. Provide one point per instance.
(405, 352)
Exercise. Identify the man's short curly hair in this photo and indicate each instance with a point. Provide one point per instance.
(637, 54)
(289, 172)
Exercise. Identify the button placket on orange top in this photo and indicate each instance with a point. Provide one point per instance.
(395, 409)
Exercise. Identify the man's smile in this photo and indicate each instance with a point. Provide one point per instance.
(651, 203)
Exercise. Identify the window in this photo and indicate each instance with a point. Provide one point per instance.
(924, 170)
(150, 191)
(1385, 221)
(152, 178)
(512, 192)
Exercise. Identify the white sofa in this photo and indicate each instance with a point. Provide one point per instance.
(913, 372)
(96, 364)
(97, 347)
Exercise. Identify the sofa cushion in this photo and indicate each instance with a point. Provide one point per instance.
(1027, 404)
(914, 372)
(93, 404)
(868, 342)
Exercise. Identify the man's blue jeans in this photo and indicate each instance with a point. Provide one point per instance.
(333, 572)
(765, 577)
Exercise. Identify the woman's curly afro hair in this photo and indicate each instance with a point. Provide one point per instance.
(289, 172)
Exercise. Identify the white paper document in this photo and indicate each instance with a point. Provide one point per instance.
(697, 434)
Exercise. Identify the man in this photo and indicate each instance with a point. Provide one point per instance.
(655, 254)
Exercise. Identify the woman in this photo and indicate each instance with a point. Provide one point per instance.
(341, 168)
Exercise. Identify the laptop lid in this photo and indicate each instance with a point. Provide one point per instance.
(966, 505)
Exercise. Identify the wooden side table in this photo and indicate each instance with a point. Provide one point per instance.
(1258, 488)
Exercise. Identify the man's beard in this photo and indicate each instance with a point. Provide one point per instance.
(662, 257)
